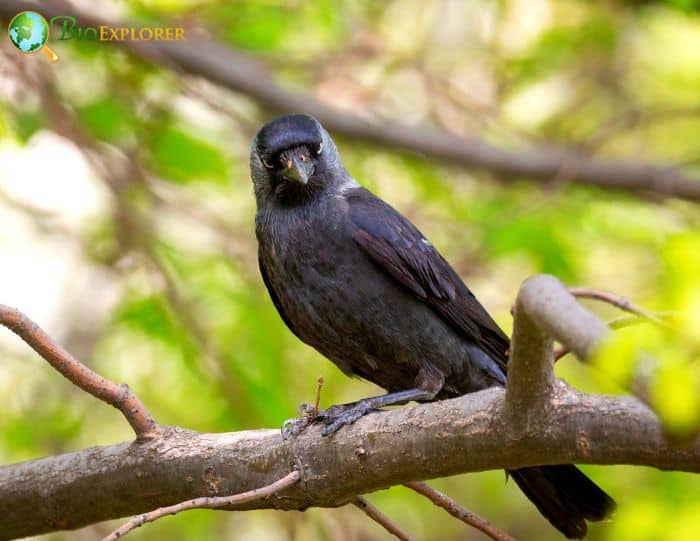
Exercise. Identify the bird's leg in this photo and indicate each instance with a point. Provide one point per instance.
(346, 414)
(309, 414)
(428, 382)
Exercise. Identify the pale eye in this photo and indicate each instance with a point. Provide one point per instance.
(267, 165)
(320, 148)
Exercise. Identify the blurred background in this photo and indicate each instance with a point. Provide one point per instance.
(126, 224)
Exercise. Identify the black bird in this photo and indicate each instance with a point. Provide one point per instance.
(356, 280)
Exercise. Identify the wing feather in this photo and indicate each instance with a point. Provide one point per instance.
(395, 245)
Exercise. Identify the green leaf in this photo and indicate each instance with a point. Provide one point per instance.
(539, 240)
(107, 119)
(182, 157)
(149, 315)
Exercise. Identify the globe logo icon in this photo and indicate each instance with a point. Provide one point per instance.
(29, 32)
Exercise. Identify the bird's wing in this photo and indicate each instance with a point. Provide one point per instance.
(275, 298)
(395, 245)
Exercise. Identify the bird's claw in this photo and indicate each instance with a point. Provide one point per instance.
(291, 428)
(307, 415)
(336, 417)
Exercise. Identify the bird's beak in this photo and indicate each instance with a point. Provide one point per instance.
(298, 170)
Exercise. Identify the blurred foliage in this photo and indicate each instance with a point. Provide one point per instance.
(163, 290)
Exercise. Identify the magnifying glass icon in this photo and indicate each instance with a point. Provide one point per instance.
(29, 32)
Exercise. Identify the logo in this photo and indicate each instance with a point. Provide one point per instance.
(71, 30)
(29, 33)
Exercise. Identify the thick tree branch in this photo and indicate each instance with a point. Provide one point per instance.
(617, 323)
(544, 300)
(476, 432)
(241, 73)
(379, 451)
(544, 311)
(531, 365)
(119, 396)
(397, 447)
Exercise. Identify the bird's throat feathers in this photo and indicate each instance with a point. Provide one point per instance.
(290, 194)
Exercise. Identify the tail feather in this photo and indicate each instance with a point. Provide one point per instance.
(565, 497)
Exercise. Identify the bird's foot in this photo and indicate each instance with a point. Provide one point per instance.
(291, 428)
(333, 417)
(337, 416)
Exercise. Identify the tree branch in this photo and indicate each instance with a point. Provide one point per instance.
(476, 432)
(119, 396)
(396, 446)
(380, 518)
(459, 512)
(617, 323)
(242, 73)
(617, 301)
(104, 483)
(544, 300)
(531, 364)
(206, 503)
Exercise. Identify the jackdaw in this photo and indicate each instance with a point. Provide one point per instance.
(357, 281)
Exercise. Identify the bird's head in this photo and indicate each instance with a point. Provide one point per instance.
(292, 159)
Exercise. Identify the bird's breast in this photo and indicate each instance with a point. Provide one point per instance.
(338, 301)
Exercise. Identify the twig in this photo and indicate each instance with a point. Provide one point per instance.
(459, 512)
(617, 301)
(617, 323)
(319, 384)
(206, 502)
(119, 396)
(381, 519)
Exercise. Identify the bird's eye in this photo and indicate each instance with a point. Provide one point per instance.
(264, 162)
(320, 148)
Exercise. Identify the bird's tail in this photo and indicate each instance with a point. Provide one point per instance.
(565, 496)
